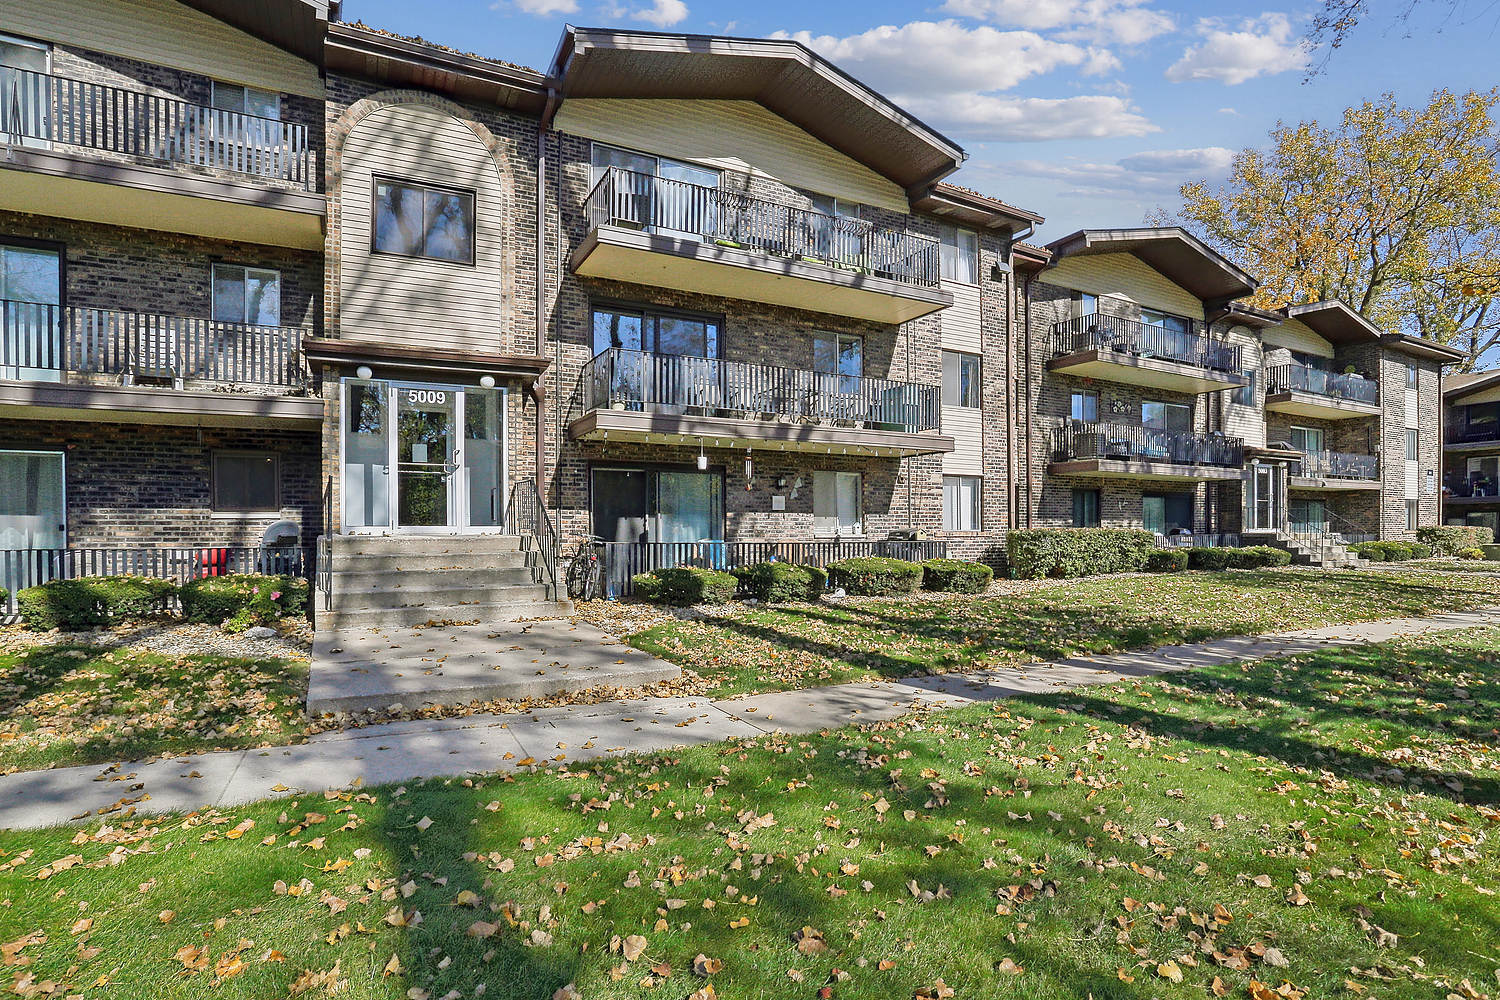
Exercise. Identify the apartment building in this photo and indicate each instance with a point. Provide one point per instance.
(1471, 449)
(268, 277)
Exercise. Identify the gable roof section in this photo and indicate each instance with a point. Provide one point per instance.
(1171, 251)
(1335, 322)
(1461, 384)
(967, 207)
(1421, 347)
(294, 25)
(782, 75)
(409, 62)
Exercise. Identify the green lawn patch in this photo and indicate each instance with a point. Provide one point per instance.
(795, 646)
(1323, 826)
(78, 704)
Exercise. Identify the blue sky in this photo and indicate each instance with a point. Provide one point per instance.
(1090, 112)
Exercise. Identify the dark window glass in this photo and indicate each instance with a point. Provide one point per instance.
(1085, 508)
(416, 221)
(1245, 394)
(246, 481)
(961, 379)
(1173, 417)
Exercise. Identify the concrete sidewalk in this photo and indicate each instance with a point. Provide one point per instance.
(401, 751)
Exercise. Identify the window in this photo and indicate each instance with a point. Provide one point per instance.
(1084, 405)
(837, 503)
(960, 254)
(31, 284)
(1172, 417)
(961, 381)
(840, 354)
(961, 510)
(658, 331)
(1166, 321)
(1307, 439)
(1411, 376)
(246, 481)
(1411, 444)
(413, 220)
(246, 100)
(1166, 512)
(1245, 395)
(1085, 304)
(1413, 510)
(1085, 508)
(656, 193)
(246, 295)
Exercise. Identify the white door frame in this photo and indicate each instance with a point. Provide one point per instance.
(62, 457)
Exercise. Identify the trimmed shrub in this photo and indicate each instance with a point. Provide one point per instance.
(91, 601)
(644, 587)
(1167, 561)
(1391, 551)
(1258, 557)
(956, 576)
(1447, 539)
(875, 576)
(239, 600)
(1209, 558)
(780, 582)
(1472, 552)
(684, 586)
(1043, 552)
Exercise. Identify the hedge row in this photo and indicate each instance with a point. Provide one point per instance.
(89, 602)
(1391, 551)
(779, 582)
(1043, 552)
(1249, 557)
(1450, 539)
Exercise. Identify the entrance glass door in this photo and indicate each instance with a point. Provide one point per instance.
(422, 457)
(1264, 511)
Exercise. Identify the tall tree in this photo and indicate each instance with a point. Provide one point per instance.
(1395, 210)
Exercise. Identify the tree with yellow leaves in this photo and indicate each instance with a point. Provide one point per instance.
(1396, 211)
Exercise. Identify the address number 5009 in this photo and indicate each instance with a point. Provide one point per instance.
(426, 396)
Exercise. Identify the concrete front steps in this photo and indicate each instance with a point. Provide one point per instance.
(380, 580)
(1307, 549)
(421, 621)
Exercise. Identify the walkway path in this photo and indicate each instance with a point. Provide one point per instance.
(401, 751)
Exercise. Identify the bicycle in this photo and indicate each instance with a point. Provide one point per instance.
(586, 570)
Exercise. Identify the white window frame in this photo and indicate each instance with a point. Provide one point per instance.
(1413, 376)
(957, 510)
(244, 454)
(1413, 444)
(1320, 432)
(828, 525)
(244, 274)
(1413, 514)
(957, 397)
(962, 249)
(244, 92)
(1077, 394)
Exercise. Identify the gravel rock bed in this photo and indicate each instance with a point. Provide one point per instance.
(293, 641)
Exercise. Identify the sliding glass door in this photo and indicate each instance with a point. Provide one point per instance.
(30, 313)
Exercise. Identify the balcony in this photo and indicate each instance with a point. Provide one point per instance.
(71, 362)
(1458, 436)
(1337, 470)
(109, 154)
(1312, 392)
(671, 234)
(1476, 489)
(1087, 448)
(1128, 351)
(626, 395)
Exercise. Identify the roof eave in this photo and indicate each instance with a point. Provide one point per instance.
(1421, 347)
(1235, 283)
(350, 48)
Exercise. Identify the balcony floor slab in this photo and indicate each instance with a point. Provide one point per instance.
(1311, 404)
(755, 433)
(1155, 373)
(1119, 468)
(152, 405)
(1332, 484)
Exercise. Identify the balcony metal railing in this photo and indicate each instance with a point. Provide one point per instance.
(709, 214)
(1081, 439)
(39, 342)
(42, 110)
(621, 379)
(1480, 433)
(1302, 378)
(1474, 487)
(1099, 332)
(1340, 465)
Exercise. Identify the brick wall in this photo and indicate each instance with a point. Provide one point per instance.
(130, 485)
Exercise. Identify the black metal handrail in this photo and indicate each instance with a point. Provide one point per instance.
(526, 515)
(1340, 465)
(22, 568)
(40, 109)
(661, 205)
(1460, 433)
(623, 379)
(624, 560)
(39, 337)
(1303, 378)
(1100, 332)
(1473, 486)
(1081, 439)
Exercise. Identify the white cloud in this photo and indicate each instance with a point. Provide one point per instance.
(1259, 46)
(948, 74)
(1151, 173)
(542, 8)
(1114, 22)
(1230, 111)
(662, 13)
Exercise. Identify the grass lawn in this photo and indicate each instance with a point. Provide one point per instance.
(792, 646)
(73, 704)
(1322, 826)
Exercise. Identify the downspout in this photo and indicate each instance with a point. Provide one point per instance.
(1012, 515)
(1026, 408)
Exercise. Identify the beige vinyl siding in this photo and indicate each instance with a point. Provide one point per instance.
(966, 426)
(163, 33)
(411, 300)
(1487, 396)
(1247, 422)
(960, 321)
(1125, 276)
(1294, 335)
(729, 135)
